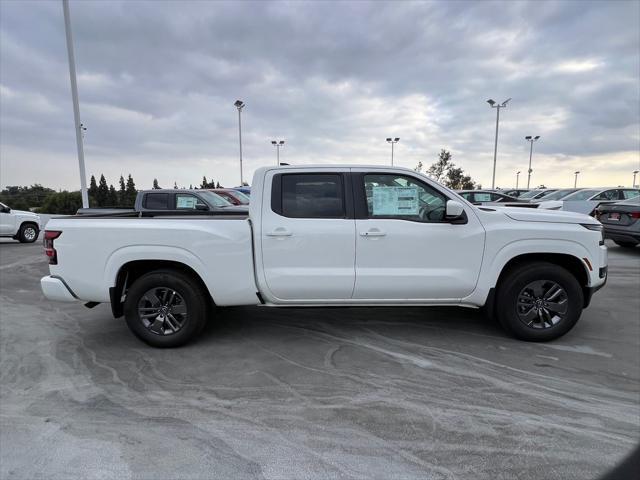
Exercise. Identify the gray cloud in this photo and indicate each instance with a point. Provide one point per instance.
(157, 83)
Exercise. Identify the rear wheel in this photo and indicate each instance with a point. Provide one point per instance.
(166, 308)
(539, 302)
(626, 244)
(28, 233)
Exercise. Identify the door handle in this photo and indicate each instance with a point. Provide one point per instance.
(374, 232)
(279, 232)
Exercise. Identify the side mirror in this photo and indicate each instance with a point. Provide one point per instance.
(454, 210)
(5, 210)
(200, 206)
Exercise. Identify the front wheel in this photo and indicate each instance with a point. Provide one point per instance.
(28, 233)
(539, 302)
(166, 308)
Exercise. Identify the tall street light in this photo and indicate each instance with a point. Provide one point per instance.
(497, 106)
(76, 105)
(633, 185)
(277, 144)
(517, 179)
(530, 139)
(392, 141)
(575, 180)
(240, 105)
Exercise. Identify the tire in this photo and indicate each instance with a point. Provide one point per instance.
(169, 327)
(28, 233)
(625, 244)
(539, 287)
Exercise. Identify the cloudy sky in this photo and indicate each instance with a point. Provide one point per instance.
(157, 82)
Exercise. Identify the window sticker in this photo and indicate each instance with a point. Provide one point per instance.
(395, 201)
(186, 202)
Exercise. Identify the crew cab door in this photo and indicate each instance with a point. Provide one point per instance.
(307, 235)
(405, 247)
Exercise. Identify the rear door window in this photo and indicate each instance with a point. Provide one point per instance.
(156, 201)
(313, 196)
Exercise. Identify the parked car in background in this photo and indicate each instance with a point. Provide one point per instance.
(235, 197)
(169, 200)
(621, 221)
(19, 224)
(481, 197)
(245, 190)
(535, 194)
(588, 199)
(515, 192)
(557, 194)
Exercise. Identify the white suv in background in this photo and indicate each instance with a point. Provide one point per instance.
(19, 224)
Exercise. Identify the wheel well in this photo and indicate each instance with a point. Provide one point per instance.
(131, 271)
(572, 264)
(29, 222)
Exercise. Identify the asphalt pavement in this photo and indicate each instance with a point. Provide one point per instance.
(388, 393)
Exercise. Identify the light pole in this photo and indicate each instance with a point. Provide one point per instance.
(517, 179)
(497, 106)
(530, 139)
(575, 180)
(277, 144)
(392, 141)
(633, 185)
(240, 105)
(76, 104)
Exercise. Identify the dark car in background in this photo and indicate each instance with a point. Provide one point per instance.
(621, 221)
(245, 190)
(536, 194)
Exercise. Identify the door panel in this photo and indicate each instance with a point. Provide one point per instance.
(414, 254)
(308, 239)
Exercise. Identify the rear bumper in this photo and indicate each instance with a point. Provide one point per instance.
(621, 234)
(55, 288)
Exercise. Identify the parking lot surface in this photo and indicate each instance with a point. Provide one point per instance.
(314, 393)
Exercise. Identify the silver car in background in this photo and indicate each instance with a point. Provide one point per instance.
(588, 199)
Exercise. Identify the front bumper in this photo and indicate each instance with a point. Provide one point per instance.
(55, 288)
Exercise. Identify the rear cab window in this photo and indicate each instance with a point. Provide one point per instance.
(309, 195)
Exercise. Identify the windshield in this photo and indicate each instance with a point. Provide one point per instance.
(581, 195)
(557, 195)
(240, 196)
(214, 199)
(530, 194)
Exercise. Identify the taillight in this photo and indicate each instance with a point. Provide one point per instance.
(635, 215)
(49, 251)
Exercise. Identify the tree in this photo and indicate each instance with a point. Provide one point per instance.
(218, 185)
(190, 187)
(112, 198)
(130, 193)
(93, 190)
(439, 169)
(418, 167)
(102, 196)
(24, 198)
(445, 171)
(63, 203)
(122, 193)
(155, 184)
(457, 180)
(175, 185)
(204, 183)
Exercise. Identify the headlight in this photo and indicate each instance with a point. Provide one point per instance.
(596, 228)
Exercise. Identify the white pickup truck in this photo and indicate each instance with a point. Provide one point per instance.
(332, 236)
(19, 224)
